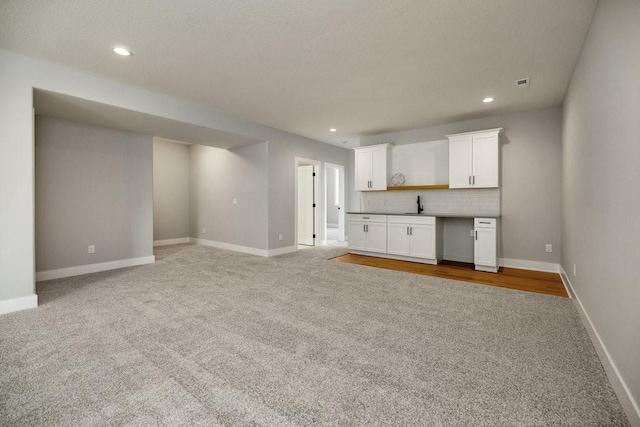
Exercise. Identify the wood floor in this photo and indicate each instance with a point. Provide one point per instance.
(513, 278)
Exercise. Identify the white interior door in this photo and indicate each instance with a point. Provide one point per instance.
(334, 200)
(306, 219)
(341, 208)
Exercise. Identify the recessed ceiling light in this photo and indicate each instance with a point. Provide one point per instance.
(333, 130)
(487, 100)
(122, 51)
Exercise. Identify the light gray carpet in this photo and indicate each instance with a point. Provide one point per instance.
(207, 336)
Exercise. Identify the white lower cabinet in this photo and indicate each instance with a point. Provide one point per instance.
(418, 238)
(485, 250)
(411, 236)
(368, 233)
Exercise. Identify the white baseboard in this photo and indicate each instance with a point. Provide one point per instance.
(530, 265)
(282, 251)
(93, 268)
(229, 246)
(179, 241)
(18, 304)
(396, 257)
(243, 249)
(629, 405)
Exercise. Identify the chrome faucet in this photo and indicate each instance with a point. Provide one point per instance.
(420, 207)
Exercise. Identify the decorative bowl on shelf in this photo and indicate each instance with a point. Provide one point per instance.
(398, 180)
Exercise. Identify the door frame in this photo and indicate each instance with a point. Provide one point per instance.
(317, 185)
(341, 197)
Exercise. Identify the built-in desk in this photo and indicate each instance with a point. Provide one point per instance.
(419, 237)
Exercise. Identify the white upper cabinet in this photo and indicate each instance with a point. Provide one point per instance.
(373, 167)
(474, 159)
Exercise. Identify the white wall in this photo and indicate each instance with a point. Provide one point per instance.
(530, 175)
(217, 178)
(20, 74)
(93, 187)
(170, 190)
(601, 184)
(282, 154)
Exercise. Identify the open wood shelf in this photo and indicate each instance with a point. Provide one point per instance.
(419, 187)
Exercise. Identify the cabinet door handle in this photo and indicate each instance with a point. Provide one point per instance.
(469, 179)
(410, 231)
(407, 231)
(476, 234)
(474, 180)
(364, 228)
(367, 227)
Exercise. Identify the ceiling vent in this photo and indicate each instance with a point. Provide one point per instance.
(522, 83)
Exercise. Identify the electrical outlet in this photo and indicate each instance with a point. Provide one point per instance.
(235, 201)
(549, 248)
(279, 236)
(204, 230)
(91, 249)
(574, 270)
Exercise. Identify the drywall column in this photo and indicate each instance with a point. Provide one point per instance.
(17, 283)
(170, 192)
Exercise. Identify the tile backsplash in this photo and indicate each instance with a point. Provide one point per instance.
(437, 202)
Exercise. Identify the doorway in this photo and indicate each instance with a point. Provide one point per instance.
(334, 224)
(307, 203)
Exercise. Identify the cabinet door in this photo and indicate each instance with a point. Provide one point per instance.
(485, 247)
(357, 236)
(376, 237)
(423, 241)
(460, 162)
(485, 161)
(379, 168)
(363, 170)
(399, 241)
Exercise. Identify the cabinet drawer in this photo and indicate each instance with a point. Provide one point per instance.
(367, 218)
(411, 220)
(484, 222)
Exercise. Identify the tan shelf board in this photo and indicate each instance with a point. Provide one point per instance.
(419, 187)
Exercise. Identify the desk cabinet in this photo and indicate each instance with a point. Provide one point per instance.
(485, 248)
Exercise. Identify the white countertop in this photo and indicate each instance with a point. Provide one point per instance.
(441, 215)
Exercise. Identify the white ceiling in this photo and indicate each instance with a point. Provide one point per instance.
(362, 66)
(94, 113)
